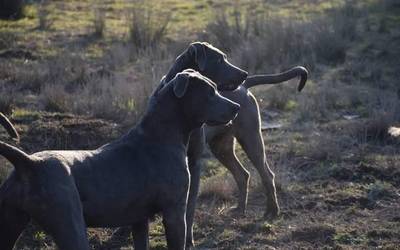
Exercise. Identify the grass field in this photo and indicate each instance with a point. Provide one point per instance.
(77, 74)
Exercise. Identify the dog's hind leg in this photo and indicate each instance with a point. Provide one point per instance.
(12, 223)
(60, 214)
(223, 148)
(140, 234)
(13, 218)
(253, 145)
(66, 226)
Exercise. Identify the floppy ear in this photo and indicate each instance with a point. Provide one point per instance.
(199, 50)
(180, 85)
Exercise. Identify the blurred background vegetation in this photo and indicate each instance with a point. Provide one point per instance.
(76, 74)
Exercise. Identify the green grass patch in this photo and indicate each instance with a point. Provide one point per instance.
(348, 238)
(24, 114)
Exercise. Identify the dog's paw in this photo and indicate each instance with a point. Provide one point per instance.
(189, 243)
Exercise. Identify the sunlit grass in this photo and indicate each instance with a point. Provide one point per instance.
(69, 19)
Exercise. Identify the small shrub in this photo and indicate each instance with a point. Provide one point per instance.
(25, 115)
(99, 22)
(347, 238)
(220, 187)
(260, 39)
(374, 129)
(7, 40)
(324, 148)
(115, 99)
(44, 21)
(315, 234)
(7, 103)
(147, 28)
(279, 97)
(378, 191)
(54, 98)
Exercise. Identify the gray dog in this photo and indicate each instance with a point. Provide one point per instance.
(213, 63)
(122, 183)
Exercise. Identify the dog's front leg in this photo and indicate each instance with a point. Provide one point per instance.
(174, 220)
(140, 234)
(195, 150)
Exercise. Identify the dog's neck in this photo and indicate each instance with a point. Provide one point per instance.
(164, 122)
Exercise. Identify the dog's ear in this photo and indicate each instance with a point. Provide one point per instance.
(199, 51)
(181, 83)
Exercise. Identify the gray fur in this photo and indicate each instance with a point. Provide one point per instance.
(121, 183)
(246, 128)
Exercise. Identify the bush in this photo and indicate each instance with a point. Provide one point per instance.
(7, 103)
(260, 40)
(99, 22)
(147, 28)
(44, 22)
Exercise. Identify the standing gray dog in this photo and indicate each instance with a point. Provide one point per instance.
(122, 183)
(213, 63)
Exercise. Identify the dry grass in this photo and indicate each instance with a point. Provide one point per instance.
(338, 179)
(117, 98)
(147, 27)
(218, 187)
(261, 40)
(4, 170)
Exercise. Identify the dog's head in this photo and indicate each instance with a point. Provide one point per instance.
(210, 62)
(200, 101)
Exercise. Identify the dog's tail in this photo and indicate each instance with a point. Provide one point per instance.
(16, 156)
(255, 80)
(9, 127)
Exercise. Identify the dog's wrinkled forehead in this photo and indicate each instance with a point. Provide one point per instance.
(194, 74)
(216, 51)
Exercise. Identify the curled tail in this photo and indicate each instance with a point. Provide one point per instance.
(255, 80)
(17, 157)
(9, 127)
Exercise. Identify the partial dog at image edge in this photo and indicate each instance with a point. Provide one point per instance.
(121, 183)
(5, 122)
